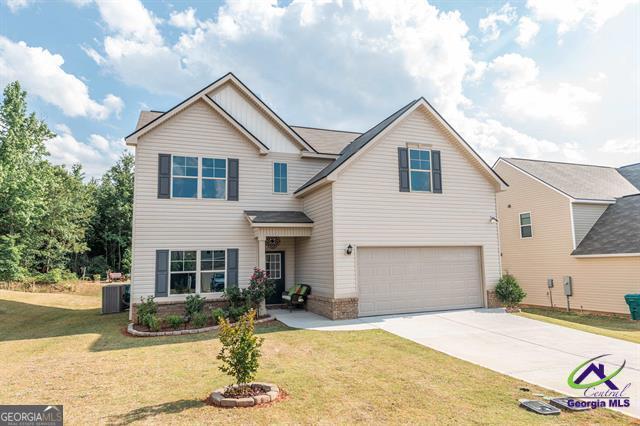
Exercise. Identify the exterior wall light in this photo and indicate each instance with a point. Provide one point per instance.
(493, 220)
(349, 249)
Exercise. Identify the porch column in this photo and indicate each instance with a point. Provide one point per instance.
(262, 261)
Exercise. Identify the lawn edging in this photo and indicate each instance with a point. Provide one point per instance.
(132, 331)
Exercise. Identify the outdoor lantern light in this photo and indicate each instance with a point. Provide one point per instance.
(493, 220)
(349, 249)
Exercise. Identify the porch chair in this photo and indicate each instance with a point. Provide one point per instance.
(297, 296)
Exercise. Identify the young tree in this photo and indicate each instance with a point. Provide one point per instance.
(240, 353)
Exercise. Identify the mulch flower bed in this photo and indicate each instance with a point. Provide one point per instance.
(248, 395)
(143, 331)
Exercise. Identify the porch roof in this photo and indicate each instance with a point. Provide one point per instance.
(268, 217)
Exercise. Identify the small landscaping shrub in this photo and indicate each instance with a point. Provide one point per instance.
(146, 308)
(240, 353)
(235, 297)
(96, 277)
(509, 291)
(237, 312)
(199, 319)
(174, 321)
(218, 313)
(260, 288)
(153, 322)
(193, 304)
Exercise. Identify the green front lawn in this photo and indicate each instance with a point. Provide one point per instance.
(616, 327)
(56, 348)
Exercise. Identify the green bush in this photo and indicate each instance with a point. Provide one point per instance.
(10, 255)
(235, 297)
(260, 287)
(218, 313)
(236, 312)
(193, 304)
(96, 277)
(145, 308)
(240, 353)
(174, 321)
(97, 265)
(55, 276)
(509, 291)
(199, 319)
(153, 322)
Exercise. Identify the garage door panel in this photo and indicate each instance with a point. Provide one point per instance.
(413, 279)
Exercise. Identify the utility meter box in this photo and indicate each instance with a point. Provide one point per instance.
(549, 282)
(568, 290)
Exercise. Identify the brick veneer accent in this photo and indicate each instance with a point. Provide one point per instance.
(492, 300)
(177, 308)
(346, 308)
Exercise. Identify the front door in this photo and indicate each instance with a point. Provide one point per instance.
(275, 271)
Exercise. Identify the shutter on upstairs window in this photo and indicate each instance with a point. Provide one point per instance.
(403, 169)
(164, 175)
(162, 273)
(436, 169)
(232, 267)
(233, 179)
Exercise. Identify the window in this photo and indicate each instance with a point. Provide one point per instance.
(212, 271)
(185, 177)
(214, 178)
(420, 170)
(274, 266)
(183, 272)
(280, 177)
(526, 231)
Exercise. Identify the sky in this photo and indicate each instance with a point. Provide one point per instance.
(546, 79)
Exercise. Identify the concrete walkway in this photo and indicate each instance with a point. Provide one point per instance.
(534, 351)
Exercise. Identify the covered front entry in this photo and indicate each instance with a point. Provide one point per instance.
(395, 280)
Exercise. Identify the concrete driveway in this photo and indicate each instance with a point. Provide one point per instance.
(530, 350)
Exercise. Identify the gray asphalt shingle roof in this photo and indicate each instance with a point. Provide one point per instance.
(356, 145)
(617, 231)
(631, 173)
(579, 181)
(268, 216)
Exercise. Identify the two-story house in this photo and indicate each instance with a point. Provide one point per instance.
(562, 221)
(398, 219)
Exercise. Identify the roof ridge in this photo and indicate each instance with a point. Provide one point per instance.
(559, 162)
(329, 130)
(629, 165)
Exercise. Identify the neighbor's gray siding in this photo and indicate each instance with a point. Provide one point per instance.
(584, 216)
(198, 224)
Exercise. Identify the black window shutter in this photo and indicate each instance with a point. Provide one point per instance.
(232, 267)
(403, 169)
(162, 273)
(436, 169)
(233, 179)
(164, 175)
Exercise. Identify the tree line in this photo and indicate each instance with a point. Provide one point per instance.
(54, 223)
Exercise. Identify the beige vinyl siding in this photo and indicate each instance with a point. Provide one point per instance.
(599, 284)
(314, 265)
(584, 217)
(370, 211)
(199, 224)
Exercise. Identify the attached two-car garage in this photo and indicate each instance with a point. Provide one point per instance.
(394, 280)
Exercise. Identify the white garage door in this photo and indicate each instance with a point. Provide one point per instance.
(395, 280)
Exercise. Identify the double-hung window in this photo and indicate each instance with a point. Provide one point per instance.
(185, 177)
(420, 170)
(280, 178)
(526, 229)
(214, 178)
(183, 272)
(212, 271)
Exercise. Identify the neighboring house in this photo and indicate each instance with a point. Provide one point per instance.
(397, 219)
(562, 220)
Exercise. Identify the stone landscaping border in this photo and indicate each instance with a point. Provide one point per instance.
(132, 331)
(272, 392)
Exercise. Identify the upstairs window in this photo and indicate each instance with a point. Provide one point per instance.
(212, 271)
(185, 177)
(420, 170)
(183, 272)
(526, 230)
(280, 178)
(214, 178)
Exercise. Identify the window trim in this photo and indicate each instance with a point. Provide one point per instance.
(173, 176)
(200, 271)
(430, 171)
(178, 272)
(273, 177)
(529, 225)
(201, 178)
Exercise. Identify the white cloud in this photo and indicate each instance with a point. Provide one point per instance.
(15, 5)
(40, 73)
(527, 31)
(621, 146)
(185, 20)
(490, 24)
(131, 20)
(96, 155)
(525, 97)
(570, 14)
